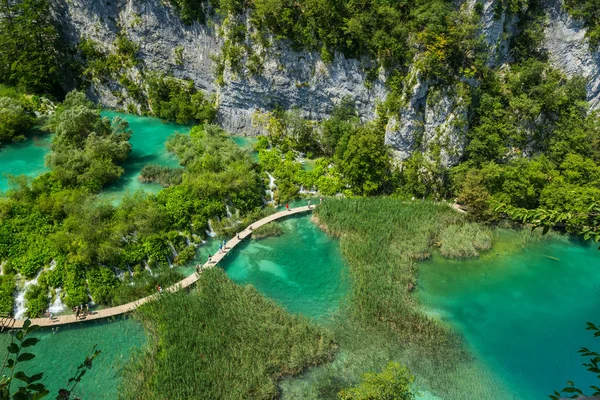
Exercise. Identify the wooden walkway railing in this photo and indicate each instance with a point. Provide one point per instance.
(190, 280)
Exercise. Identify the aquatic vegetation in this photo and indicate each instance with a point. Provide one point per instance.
(381, 240)
(465, 240)
(221, 341)
(163, 175)
(268, 230)
(393, 382)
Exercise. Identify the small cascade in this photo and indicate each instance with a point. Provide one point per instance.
(2, 267)
(174, 253)
(229, 215)
(271, 190)
(210, 232)
(147, 268)
(20, 309)
(52, 265)
(57, 306)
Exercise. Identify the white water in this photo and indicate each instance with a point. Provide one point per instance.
(20, 309)
(229, 215)
(210, 232)
(57, 306)
(270, 191)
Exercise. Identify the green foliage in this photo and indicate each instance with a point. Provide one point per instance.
(190, 10)
(392, 383)
(178, 100)
(87, 149)
(252, 333)
(32, 56)
(268, 230)
(37, 300)
(7, 294)
(571, 391)
(587, 11)
(15, 120)
(365, 161)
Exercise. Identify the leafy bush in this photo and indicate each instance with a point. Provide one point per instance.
(7, 293)
(15, 120)
(178, 100)
(37, 300)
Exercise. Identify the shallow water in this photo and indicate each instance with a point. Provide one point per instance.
(62, 349)
(523, 312)
(24, 158)
(148, 147)
(302, 270)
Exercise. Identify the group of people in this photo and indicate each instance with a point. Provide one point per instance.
(80, 311)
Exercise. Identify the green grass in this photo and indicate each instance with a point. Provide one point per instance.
(269, 230)
(221, 341)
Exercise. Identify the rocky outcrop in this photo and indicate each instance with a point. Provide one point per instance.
(569, 50)
(289, 78)
(433, 122)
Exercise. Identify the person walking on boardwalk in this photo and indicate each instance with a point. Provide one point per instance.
(209, 258)
(287, 206)
(224, 245)
(220, 247)
(76, 312)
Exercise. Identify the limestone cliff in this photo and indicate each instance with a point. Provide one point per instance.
(432, 119)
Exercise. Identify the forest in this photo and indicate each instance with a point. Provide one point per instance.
(532, 152)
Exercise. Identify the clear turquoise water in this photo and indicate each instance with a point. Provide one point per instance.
(148, 147)
(62, 349)
(302, 270)
(522, 313)
(24, 158)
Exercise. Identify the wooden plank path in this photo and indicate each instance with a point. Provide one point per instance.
(190, 280)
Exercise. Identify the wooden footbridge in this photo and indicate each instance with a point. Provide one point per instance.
(9, 323)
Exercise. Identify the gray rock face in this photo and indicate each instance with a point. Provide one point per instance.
(290, 79)
(433, 122)
(569, 50)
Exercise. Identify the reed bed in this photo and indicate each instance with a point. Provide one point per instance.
(271, 229)
(382, 241)
(222, 341)
(465, 240)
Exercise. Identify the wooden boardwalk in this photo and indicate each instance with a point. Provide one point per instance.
(190, 280)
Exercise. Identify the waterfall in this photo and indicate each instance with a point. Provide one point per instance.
(210, 232)
(20, 309)
(147, 268)
(272, 187)
(229, 215)
(174, 253)
(57, 306)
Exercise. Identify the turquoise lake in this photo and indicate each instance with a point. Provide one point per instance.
(522, 310)
(523, 313)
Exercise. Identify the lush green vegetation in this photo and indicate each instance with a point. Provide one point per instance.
(56, 219)
(86, 149)
(178, 100)
(392, 383)
(587, 11)
(32, 56)
(221, 341)
(268, 230)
